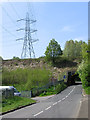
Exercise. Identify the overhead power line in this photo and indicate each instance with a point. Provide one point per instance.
(8, 15)
(8, 31)
(12, 6)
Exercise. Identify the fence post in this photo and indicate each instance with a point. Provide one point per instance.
(30, 93)
(12, 92)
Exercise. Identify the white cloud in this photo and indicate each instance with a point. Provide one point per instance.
(67, 29)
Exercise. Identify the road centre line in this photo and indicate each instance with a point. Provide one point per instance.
(63, 99)
(48, 108)
(59, 101)
(71, 90)
(55, 103)
(74, 88)
(66, 96)
(38, 113)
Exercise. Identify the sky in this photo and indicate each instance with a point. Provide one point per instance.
(59, 20)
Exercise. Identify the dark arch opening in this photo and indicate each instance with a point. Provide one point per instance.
(73, 78)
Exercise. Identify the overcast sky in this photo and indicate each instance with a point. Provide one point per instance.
(59, 20)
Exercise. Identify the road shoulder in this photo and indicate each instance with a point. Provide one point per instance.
(83, 112)
(40, 99)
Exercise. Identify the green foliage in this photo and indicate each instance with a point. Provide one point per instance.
(60, 87)
(26, 78)
(53, 51)
(49, 91)
(83, 69)
(38, 78)
(73, 49)
(69, 49)
(54, 89)
(87, 90)
(63, 62)
(83, 73)
(16, 58)
(15, 102)
(17, 76)
(84, 47)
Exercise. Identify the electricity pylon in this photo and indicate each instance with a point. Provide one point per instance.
(27, 50)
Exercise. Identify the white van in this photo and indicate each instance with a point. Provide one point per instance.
(16, 93)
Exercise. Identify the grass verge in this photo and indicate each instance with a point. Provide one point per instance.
(54, 89)
(15, 102)
(87, 90)
(49, 91)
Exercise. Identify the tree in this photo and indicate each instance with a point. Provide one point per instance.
(73, 49)
(16, 58)
(53, 51)
(83, 68)
(84, 73)
(69, 49)
(84, 51)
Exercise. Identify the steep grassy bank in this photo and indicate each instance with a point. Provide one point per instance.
(26, 74)
(26, 79)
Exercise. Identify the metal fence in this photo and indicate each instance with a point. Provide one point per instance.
(36, 91)
(26, 94)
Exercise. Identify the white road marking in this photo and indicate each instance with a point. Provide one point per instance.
(69, 93)
(48, 108)
(59, 101)
(74, 88)
(63, 99)
(38, 113)
(66, 96)
(55, 103)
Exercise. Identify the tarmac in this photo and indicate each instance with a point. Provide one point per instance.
(40, 99)
(84, 106)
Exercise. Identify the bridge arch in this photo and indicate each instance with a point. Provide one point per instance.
(72, 77)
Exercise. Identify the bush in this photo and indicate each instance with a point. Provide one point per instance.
(83, 73)
(26, 78)
(87, 90)
(16, 58)
(60, 87)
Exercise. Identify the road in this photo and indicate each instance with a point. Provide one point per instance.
(64, 105)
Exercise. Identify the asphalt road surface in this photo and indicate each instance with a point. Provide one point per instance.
(64, 105)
